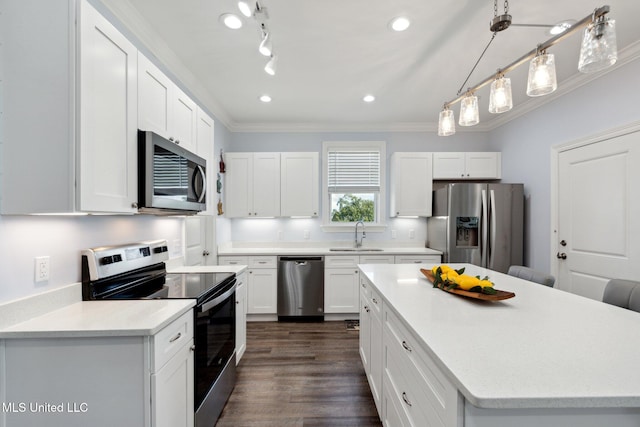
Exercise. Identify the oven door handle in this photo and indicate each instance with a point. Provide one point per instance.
(217, 300)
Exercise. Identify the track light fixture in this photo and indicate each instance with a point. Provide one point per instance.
(598, 51)
(270, 68)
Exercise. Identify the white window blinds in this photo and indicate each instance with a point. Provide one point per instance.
(353, 171)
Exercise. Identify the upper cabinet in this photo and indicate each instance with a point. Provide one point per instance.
(411, 184)
(477, 165)
(164, 108)
(252, 185)
(82, 149)
(299, 187)
(204, 148)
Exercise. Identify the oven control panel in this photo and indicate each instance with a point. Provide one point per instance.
(109, 261)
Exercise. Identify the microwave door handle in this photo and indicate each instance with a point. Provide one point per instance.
(204, 183)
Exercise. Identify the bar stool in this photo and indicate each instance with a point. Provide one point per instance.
(623, 293)
(531, 275)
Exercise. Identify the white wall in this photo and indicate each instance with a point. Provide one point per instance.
(22, 238)
(293, 230)
(605, 103)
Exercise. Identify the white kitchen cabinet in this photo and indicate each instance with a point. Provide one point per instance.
(262, 281)
(417, 259)
(371, 339)
(419, 390)
(164, 108)
(102, 380)
(411, 184)
(299, 184)
(252, 185)
(204, 148)
(470, 165)
(82, 148)
(376, 259)
(241, 316)
(341, 284)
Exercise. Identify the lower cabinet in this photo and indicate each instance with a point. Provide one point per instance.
(262, 281)
(371, 339)
(101, 381)
(241, 316)
(417, 259)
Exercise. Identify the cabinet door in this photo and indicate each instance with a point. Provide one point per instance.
(204, 149)
(266, 184)
(108, 116)
(375, 356)
(154, 97)
(483, 165)
(448, 166)
(341, 294)
(239, 185)
(411, 184)
(241, 316)
(183, 120)
(299, 188)
(365, 328)
(262, 292)
(172, 391)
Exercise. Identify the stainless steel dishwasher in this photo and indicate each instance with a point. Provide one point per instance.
(301, 287)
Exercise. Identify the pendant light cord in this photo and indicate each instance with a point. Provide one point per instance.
(493, 36)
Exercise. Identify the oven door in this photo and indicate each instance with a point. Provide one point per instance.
(215, 342)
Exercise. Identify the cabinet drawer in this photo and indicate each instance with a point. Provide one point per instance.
(376, 302)
(376, 259)
(342, 261)
(169, 340)
(428, 395)
(233, 260)
(417, 259)
(263, 262)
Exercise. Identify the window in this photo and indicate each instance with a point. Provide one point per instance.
(353, 185)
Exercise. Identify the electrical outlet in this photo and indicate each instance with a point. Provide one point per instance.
(412, 234)
(306, 234)
(280, 234)
(394, 234)
(42, 269)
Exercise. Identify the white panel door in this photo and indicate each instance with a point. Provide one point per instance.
(266, 184)
(341, 292)
(172, 391)
(154, 98)
(598, 211)
(299, 184)
(411, 184)
(262, 292)
(195, 240)
(108, 116)
(238, 190)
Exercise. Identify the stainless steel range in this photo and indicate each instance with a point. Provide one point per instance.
(138, 271)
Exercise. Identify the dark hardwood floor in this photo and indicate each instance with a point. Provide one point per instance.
(300, 374)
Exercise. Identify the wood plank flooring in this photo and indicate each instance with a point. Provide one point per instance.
(300, 374)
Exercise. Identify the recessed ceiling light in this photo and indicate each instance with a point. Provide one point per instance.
(400, 23)
(265, 98)
(369, 98)
(231, 20)
(561, 27)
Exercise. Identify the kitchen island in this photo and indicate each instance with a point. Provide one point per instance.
(545, 357)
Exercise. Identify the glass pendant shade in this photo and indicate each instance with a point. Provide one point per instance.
(446, 123)
(270, 68)
(500, 99)
(542, 75)
(599, 48)
(469, 115)
(265, 47)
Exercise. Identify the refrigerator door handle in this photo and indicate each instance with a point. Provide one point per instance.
(491, 243)
(484, 224)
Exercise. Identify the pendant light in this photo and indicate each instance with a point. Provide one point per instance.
(446, 123)
(542, 75)
(469, 114)
(270, 68)
(500, 99)
(599, 48)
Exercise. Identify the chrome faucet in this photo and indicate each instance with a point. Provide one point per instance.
(359, 244)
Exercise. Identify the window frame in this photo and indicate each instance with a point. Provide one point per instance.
(380, 214)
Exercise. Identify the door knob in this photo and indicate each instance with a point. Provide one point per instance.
(563, 242)
(205, 253)
(561, 255)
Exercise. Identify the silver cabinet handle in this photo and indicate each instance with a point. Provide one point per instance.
(171, 139)
(406, 346)
(375, 301)
(406, 400)
(366, 308)
(192, 348)
(176, 338)
(364, 285)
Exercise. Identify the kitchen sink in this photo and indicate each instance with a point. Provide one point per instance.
(356, 249)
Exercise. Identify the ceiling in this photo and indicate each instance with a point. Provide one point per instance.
(333, 52)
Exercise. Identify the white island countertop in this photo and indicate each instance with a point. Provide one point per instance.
(101, 319)
(328, 250)
(545, 348)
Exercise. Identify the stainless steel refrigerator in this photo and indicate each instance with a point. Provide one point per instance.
(478, 223)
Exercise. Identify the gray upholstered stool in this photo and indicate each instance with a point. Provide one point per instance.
(623, 293)
(531, 275)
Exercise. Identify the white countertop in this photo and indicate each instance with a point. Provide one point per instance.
(302, 250)
(101, 318)
(545, 348)
(237, 269)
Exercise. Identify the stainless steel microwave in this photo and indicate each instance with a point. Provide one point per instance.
(171, 179)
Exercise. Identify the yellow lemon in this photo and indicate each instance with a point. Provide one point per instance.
(486, 284)
(467, 282)
(445, 268)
